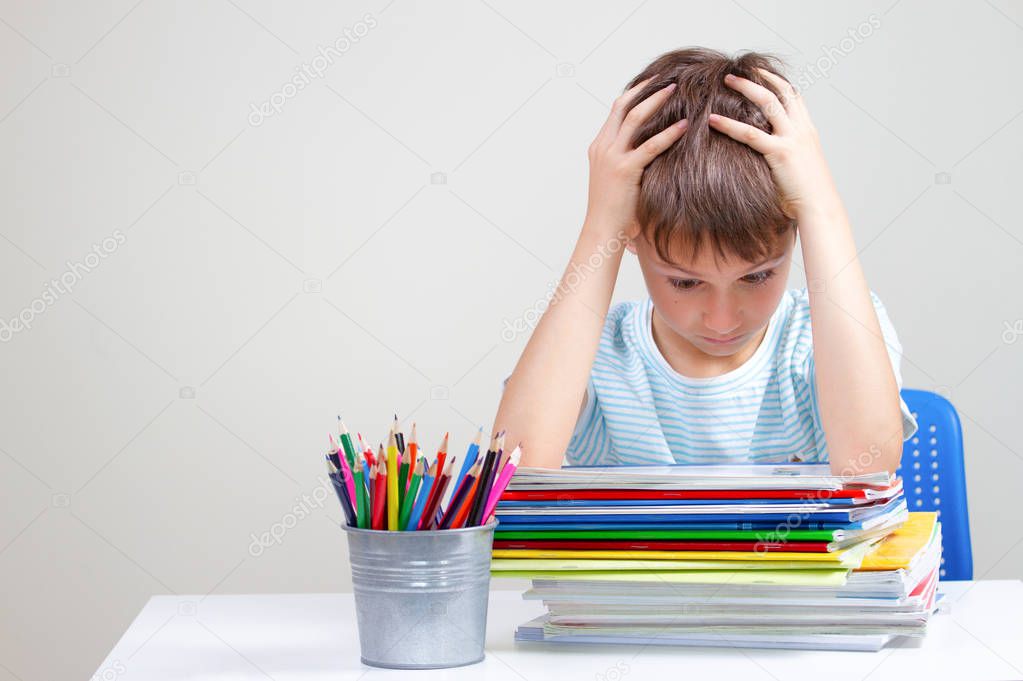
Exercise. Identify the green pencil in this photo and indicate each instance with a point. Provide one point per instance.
(361, 501)
(402, 479)
(410, 498)
(346, 443)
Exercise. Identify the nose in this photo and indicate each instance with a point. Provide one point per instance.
(722, 317)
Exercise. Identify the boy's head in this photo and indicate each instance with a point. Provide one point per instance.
(709, 206)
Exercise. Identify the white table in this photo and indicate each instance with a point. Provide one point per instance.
(979, 635)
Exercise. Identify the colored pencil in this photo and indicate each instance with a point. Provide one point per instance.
(421, 497)
(379, 480)
(442, 452)
(346, 469)
(342, 493)
(440, 468)
(482, 491)
(360, 499)
(413, 449)
(410, 496)
(502, 483)
(458, 499)
(470, 457)
(367, 452)
(346, 442)
(392, 483)
(429, 516)
(333, 452)
(403, 477)
(399, 437)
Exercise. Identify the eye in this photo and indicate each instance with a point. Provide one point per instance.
(758, 278)
(684, 284)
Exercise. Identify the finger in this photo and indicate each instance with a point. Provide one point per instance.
(763, 98)
(640, 113)
(653, 147)
(743, 132)
(790, 97)
(618, 109)
(787, 89)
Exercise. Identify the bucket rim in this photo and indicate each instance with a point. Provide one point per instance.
(491, 524)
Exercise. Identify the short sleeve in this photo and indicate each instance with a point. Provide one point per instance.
(590, 444)
(894, 348)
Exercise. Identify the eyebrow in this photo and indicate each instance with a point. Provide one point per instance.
(694, 274)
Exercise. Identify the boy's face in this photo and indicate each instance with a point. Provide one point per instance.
(704, 301)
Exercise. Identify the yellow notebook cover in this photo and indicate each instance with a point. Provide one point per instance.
(899, 549)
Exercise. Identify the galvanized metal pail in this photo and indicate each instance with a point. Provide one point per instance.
(421, 597)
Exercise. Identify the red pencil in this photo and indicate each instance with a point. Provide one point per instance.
(433, 501)
(367, 452)
(433, 498)
(380, 491)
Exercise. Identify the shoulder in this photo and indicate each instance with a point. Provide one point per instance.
(796, 344)
(622, 327)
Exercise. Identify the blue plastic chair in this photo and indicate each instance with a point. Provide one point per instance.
(935, 479)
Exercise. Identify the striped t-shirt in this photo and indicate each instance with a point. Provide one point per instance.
(639, 410)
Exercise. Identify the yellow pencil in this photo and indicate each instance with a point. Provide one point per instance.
(392, 482)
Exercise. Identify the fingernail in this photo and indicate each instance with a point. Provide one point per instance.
(670, 87)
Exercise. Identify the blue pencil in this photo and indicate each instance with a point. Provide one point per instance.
(424, 494)
(470, 458)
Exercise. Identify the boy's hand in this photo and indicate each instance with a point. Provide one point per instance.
(616, 168)
(793, 151)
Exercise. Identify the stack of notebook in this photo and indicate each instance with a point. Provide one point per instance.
(757, 556)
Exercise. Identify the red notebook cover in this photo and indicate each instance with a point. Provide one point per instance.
(626, 545)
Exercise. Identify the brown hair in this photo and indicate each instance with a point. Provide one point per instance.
(707, 185)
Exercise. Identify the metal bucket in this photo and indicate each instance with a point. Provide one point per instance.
(421, 597)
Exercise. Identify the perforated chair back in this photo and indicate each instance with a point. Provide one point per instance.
(935, 479)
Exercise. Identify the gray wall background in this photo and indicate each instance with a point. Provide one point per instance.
(238, 279)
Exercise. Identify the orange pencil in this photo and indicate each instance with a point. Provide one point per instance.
(413, 449)
(462, 512)
(442, 452)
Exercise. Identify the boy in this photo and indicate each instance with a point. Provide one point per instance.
(704, 170)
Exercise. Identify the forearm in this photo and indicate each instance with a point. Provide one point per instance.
(857, 392)
(541, 401)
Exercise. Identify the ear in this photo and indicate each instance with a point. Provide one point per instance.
(630, 245)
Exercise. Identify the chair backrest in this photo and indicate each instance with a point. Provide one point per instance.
(934, 477)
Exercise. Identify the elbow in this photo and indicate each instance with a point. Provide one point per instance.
(857, 458)
(540, 457)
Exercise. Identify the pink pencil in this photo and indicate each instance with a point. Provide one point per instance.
(502, 482)
(346, 471)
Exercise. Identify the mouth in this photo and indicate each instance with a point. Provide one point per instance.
(722, 341)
